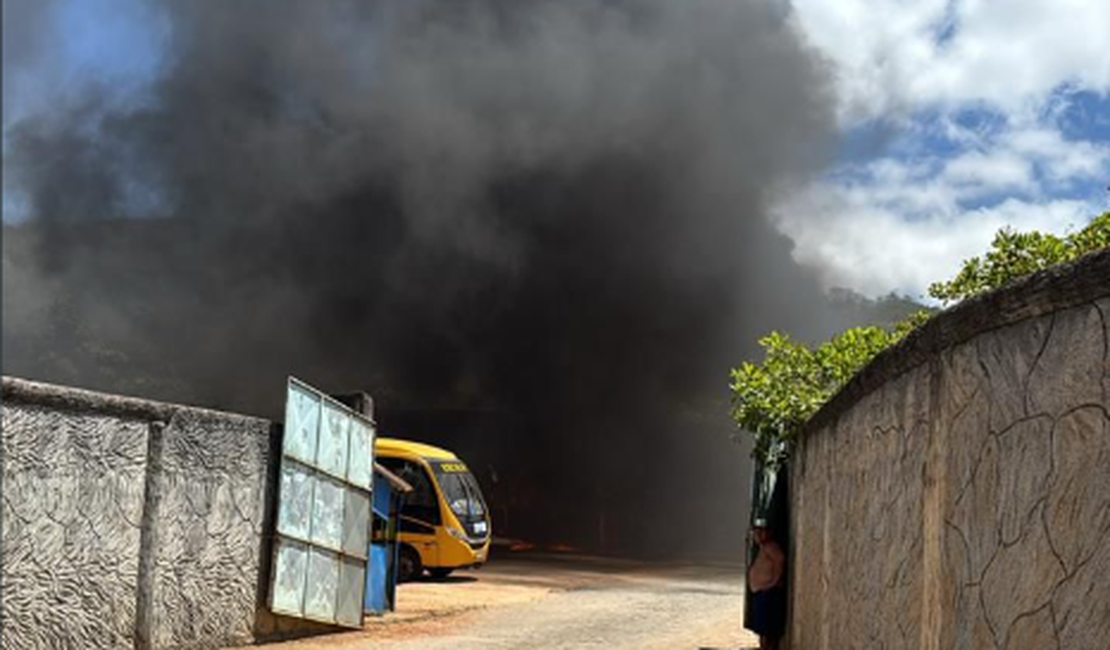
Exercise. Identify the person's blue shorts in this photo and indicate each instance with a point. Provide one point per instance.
(768, 612)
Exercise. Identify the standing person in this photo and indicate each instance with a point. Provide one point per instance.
(765, 580)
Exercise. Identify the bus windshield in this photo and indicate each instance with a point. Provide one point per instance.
(460, 489)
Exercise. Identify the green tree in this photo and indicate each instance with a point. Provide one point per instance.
(773, 399)
(1016, 254)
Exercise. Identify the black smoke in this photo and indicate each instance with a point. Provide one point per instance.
(532, 230)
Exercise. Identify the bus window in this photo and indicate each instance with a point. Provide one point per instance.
(421, 503)
(463, 496)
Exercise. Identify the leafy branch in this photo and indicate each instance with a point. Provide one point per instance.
(1016, 254)
(773, 399)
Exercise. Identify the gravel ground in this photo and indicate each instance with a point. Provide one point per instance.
(560, 602)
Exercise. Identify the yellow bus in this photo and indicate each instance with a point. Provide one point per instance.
(444, 523)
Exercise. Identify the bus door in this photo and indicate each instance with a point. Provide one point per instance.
(420, 514)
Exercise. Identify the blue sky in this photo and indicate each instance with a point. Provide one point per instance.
(117, 44)
(957, 117)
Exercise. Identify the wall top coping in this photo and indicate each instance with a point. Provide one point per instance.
(1060, 287)
(24, 391)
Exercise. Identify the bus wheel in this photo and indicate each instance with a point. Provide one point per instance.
(409, 567)
(439, 573)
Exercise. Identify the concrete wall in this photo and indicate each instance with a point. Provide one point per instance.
(131, 524)
(956, 494)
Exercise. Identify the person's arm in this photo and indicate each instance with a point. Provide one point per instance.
(777, 561)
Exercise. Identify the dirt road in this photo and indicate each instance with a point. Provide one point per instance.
(560, 602)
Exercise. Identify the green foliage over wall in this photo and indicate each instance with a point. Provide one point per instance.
(1015, 254)
(771, 400)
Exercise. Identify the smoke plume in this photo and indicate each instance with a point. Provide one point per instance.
(539, 223)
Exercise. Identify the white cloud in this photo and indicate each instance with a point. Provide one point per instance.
(895, 56)
(1028, 160)
(977, 172)
(946, 184)
(1060, 159)
(901, 222)
(907, 219)
(858, 242)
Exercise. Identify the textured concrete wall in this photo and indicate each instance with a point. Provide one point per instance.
(73, 502)
(209, 530)
(130, 523)
(957, 494)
